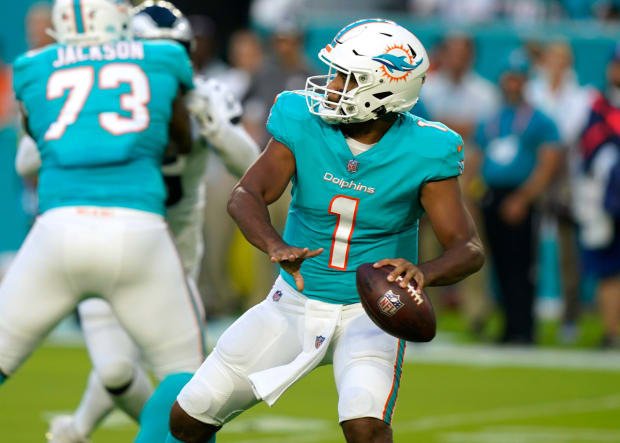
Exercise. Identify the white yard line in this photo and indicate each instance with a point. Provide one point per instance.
(530, 434)
(517, 357)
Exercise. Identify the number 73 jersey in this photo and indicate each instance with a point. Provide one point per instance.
(100, 115)
(361, 208)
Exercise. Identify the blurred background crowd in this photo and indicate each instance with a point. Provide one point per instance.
(533, 86)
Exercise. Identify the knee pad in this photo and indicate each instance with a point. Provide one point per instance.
(208, 395)
(356, 402)
(116, 374)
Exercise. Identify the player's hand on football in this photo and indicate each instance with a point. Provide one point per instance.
(290, 259)
(404, 268)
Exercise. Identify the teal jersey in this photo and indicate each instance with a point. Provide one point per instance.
(358, 208)
(100, 116)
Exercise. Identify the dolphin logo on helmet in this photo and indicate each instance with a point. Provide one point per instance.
(396, 63)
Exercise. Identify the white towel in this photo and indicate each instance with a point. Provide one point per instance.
(320, 323)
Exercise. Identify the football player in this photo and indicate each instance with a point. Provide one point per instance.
(102, 108)
(118, 378)
(364, 171)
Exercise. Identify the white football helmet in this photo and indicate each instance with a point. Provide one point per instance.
(387, 62)
(90, 22)
(155, 19)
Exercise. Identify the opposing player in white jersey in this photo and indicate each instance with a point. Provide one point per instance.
(101, 132)
(118, 379)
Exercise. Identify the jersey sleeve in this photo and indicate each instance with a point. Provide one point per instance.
(177, 62)
(448, 160)
(24, 73)
(286, 119)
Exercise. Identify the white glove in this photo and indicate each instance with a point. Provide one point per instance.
(217, 111)
(213, 105)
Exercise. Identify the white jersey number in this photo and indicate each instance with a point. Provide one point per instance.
(80, 81)
(346, 210)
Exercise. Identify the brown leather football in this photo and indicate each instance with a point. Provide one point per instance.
(400, 312)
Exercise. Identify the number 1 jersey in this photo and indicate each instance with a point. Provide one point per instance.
(100, 115)
(359, 208)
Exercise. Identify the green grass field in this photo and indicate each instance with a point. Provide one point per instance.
(480, 400)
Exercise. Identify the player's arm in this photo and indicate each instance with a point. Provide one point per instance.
(463, 253)
(261, 185)
(455, 229)
(179, 127)
(28, 158)
(218, 114)
(235, 147)
(24, 114)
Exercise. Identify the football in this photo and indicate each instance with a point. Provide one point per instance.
(400, 312)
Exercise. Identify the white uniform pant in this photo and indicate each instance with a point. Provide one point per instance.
(367, 362)
(124, 256)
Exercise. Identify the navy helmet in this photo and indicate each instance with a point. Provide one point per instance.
(155, 19)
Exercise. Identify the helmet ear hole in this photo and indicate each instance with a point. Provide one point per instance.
(382, 95)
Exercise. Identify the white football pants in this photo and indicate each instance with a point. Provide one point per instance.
(124, 256)
(273, 335)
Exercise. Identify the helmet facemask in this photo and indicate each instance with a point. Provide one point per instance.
(347, 108)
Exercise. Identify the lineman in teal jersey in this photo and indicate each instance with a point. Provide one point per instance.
(364, 171)
(117, 374)
(100, 108)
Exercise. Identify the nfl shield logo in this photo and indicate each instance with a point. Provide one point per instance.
(389, 303)
(319, 341)
(352, 166)
(277, 295)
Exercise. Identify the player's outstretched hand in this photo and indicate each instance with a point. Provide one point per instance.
(402, 266)
(291, 258)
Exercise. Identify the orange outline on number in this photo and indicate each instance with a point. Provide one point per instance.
(123, 97)
(331, 252)
(71, 89)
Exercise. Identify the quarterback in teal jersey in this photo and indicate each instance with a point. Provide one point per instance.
(102, 110)
(363, 172)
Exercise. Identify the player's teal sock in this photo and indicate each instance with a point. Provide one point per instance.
(155, 415)
(2, 378)
(171, 439)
